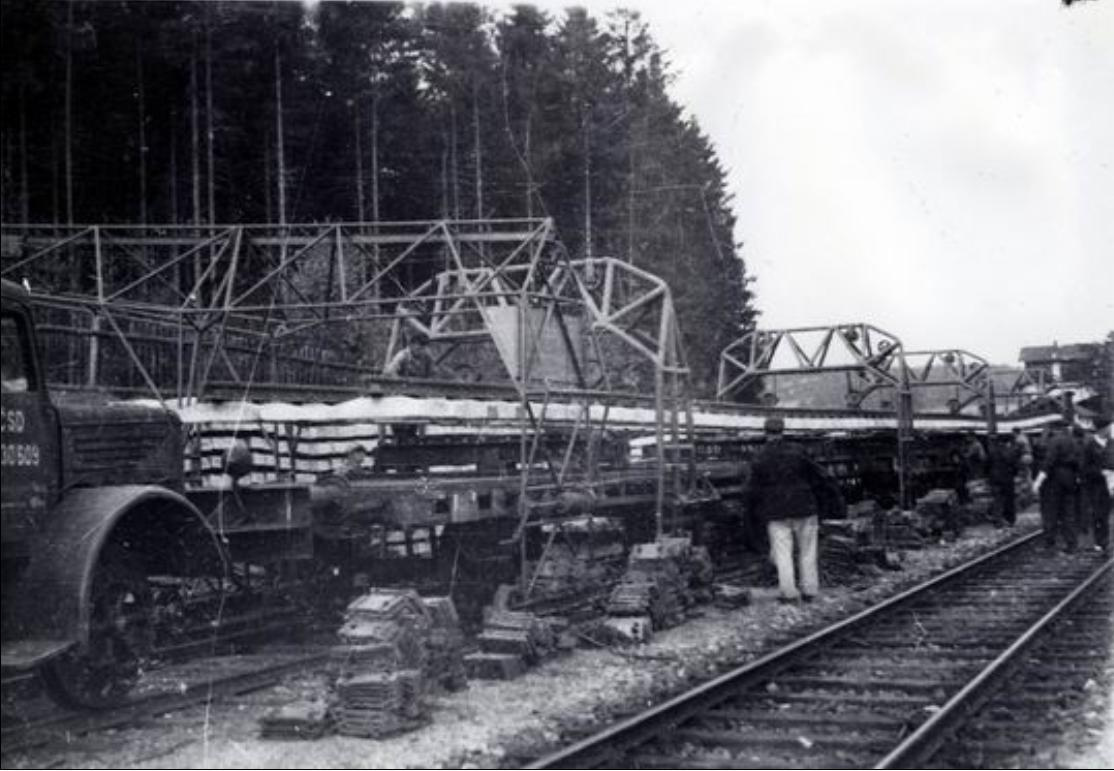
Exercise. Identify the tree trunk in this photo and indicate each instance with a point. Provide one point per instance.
(24, 185)
(375, 187)
(268, 205)
(280, 168)
(375, 157)
(522, 155)
(142, 118)
(529, 167)
(55, 174)
(280, 153)
(445, 179)
(477, 151)
(454, 162)
(195, 159)
(587, 189)
(174, 215)
(209, 125)
(358, 129)
(74, 268)
(630, 194)
(628, 72)
(7, 189)
(69, 117)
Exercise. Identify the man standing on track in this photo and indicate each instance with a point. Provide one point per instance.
(1060, 473)
(785, 492)
(1097, 478)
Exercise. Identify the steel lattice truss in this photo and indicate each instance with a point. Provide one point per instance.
(188, 308)
(865, 352)
(874, 360)
(951, 367)
(187, 313)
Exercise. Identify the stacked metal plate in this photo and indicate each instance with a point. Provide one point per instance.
(535, 631)
(731, 596)
(670, 595)
(663, 578)
(938, 512)
(378, 704)
(584, 553)
(510, 641)
(382, 662)
(897, 529)
(297, 720)
(354, 658)
(865, 508)
(839, 559)
(444, 645)
(632, 599)
(395, 617)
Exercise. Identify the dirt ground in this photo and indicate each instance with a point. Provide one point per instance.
(501, 723)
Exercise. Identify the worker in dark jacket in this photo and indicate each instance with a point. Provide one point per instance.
(785, 491)
(1060, 472)
(1097, 479)
(1005, 462)
(415, 360)
(970, 464)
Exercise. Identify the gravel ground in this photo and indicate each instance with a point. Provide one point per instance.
(499, 723)
(1090, 743)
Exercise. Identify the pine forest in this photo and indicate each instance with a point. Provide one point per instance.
(253, 112)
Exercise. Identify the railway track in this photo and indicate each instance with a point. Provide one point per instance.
(1023, 723)
(883, 688)
(211, 680)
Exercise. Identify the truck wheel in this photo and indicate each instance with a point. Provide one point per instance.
(101, 673)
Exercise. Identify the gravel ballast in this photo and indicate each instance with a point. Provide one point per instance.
(502, 723)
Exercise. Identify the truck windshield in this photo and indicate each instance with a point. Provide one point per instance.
(14, 370)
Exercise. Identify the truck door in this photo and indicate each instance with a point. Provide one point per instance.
(28, 430)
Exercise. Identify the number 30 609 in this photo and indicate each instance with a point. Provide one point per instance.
(20, 454)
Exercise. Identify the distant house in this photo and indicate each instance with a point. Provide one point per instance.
(1085, 368)
(1061, 363)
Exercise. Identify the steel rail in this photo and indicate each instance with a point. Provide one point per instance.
(39, 732)
(593, 751)
(920, 745)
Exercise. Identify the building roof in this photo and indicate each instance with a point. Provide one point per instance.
(1046, 354)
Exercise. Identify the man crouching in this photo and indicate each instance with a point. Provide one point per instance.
(785, 491)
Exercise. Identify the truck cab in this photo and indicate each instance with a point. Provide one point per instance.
(29, 431)
(92, 511)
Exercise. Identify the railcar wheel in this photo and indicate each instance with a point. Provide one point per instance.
(101, 673)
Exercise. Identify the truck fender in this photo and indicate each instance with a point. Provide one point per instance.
(52, 603)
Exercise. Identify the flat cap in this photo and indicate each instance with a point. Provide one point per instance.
(774, 425)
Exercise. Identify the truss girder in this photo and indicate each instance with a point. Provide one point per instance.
(227, 301)
(865, 351)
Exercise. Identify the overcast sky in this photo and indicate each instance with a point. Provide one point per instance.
(943, 169)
